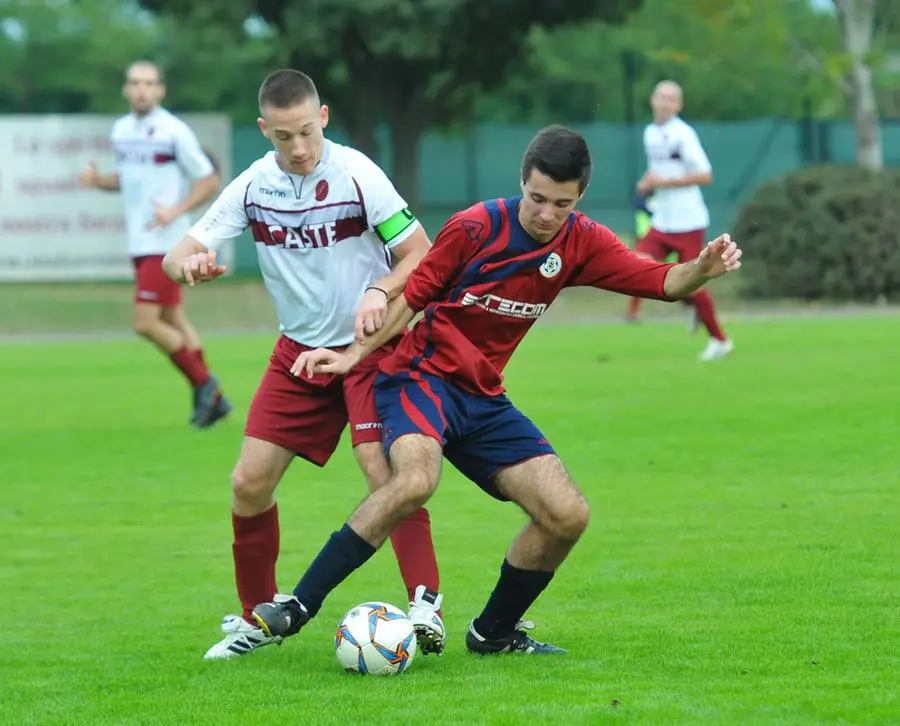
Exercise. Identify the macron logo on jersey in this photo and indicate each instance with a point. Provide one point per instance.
(502, 306)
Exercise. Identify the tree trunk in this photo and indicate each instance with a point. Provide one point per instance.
(407, 126)
(361, 122)
(857, 21)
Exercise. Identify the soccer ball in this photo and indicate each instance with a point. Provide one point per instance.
(375, 638)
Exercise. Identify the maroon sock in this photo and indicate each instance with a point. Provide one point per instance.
(255, 549)
(187, 362)
(411, 540)
(200, 356)
(634, 305)
(706, 311)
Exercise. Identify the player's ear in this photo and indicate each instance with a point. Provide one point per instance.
(261, 123)
(323, 115)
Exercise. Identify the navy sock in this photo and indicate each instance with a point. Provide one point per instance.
(514, 593)
(341, 555)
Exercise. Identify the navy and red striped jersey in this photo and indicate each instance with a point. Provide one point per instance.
(486, 281)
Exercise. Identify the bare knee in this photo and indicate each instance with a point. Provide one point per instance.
(252, 488)
(413, 488)
(567, 518)
(575, 520)
(415, 471)
(374, 466)
(144, 326)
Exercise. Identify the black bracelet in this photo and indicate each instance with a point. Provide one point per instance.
(375, 287)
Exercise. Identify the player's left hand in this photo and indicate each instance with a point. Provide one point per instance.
(719, 256)
(650, 181)
(162, 216)
(322, 360)
(371, 314)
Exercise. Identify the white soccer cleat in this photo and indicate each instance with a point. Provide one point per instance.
(716, 349)
(240, 638)
(423, 612)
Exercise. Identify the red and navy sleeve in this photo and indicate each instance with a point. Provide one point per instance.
(454, 245)
(607, 263)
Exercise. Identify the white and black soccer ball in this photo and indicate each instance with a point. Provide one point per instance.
(375, 638)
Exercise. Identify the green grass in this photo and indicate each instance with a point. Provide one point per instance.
(243, 305)
(741, 566)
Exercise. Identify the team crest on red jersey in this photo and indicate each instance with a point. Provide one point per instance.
(321, 190)
(552, 265)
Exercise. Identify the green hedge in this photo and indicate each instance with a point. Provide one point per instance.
(823, 233)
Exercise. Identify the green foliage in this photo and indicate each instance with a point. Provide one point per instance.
(826, 232)
(412, 64)
(735, 60)
(68, 57)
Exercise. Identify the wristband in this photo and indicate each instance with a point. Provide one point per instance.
(381, 290)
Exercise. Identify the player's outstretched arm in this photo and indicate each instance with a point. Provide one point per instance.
(719, 257)
(191, 261)
(326, 361)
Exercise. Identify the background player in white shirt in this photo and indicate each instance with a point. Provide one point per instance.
(163, 174)
(326, 221)
(677, 166)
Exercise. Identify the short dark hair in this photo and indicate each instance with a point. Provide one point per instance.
(560, 153)
(143, 63)
(286, 88)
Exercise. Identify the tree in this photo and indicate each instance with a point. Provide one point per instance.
(62, 56)
(858, 23)
(729, 57)
(414, 64)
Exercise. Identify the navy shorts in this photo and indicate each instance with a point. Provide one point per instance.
(480, 434)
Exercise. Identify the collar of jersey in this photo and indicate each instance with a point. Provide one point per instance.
(512, 209)
(148, 118)
(320, 169)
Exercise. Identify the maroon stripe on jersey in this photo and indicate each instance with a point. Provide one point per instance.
(325, 234)
(163, 158)
(301, 211)
(362, 201)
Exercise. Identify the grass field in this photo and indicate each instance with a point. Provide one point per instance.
(741, 566)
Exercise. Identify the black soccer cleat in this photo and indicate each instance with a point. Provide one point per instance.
(518, 641)
(282, 617)
(210, 405)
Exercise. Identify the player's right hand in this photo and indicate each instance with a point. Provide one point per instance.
(88, 178)
(201, 267)
(321, 360)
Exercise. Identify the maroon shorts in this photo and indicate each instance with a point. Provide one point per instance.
(659, 245)
(152, 285)
(308, 416)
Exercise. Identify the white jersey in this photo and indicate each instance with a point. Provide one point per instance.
(674, 151)
(157, 159)
(321, 239)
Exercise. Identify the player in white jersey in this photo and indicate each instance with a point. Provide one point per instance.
(677, 166)
(163, 174)
(327, 223)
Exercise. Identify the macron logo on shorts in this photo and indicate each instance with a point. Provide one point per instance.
(147, 295)
(367, 426)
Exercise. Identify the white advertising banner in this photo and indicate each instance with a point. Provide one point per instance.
(52, 229)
